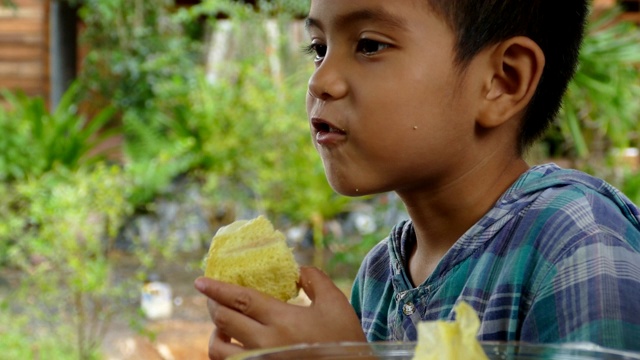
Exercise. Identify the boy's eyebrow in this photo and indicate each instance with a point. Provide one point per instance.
(375, 15)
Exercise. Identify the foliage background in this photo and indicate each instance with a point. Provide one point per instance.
(240, 138)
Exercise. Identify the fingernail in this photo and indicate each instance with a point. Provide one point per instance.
(200, 284)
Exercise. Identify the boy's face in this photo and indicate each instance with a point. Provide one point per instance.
(388, 109)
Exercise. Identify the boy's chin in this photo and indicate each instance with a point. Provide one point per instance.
(350, 191)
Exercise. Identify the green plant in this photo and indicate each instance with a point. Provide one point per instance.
(142, 62)
(631, 186)
(35, 140)
(13, 220)
(258, 141)
(9, 4)
(69, 292)
(154, 156)
(245, 134)
(239, 10)
(135, 49)
(601, 110)
(16, 339)
(349, 252)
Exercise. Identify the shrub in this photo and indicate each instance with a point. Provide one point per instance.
(601, 110)
(34, 140)
(68, 290)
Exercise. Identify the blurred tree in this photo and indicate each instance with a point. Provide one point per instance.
(600, 111)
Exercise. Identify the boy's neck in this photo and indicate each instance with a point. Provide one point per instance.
(441, 216)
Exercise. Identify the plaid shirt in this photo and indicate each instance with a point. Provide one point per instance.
(556, 260)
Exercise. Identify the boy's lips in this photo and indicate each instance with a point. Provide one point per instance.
(327, 133)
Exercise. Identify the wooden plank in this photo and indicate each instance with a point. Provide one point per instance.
(22, 39)
(45, 81)
(26, 69)
(22, 13)
(29, 3)
(20, 52)
(23, 58)
(20, 26)
(21, 83)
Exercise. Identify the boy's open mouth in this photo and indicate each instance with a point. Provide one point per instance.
(323, 126)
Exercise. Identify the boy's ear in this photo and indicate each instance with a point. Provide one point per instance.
(515, 69)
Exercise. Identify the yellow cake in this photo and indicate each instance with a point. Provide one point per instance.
(253, 254)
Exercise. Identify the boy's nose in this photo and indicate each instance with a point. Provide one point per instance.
(328, 81)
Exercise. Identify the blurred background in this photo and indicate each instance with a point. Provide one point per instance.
(131, 130)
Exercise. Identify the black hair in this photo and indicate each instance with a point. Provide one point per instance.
(556, 26)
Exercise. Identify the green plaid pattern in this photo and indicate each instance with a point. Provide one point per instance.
(556, 260)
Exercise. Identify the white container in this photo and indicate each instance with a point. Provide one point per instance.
(156, 300)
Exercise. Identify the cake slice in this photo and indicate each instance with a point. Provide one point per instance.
(253, 254)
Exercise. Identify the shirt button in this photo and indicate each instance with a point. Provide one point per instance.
(408, 309)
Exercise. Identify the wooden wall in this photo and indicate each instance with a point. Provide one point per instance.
(24, 56)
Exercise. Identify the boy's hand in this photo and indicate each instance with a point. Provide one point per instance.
(258, 321)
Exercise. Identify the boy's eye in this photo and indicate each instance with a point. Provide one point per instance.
(319, 50)
(370, 47)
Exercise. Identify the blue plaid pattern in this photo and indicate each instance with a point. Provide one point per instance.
(556, 260)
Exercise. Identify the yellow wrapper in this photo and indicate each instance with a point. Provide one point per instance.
(450, 340)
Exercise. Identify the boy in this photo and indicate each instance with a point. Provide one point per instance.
(437, 100)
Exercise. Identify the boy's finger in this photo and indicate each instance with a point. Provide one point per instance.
(221, 347)
(233, 324)
(219, 335)
(249, 302)
(315, 283)
(211, 306)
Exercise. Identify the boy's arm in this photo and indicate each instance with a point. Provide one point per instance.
(591, 295)
(258, 321)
